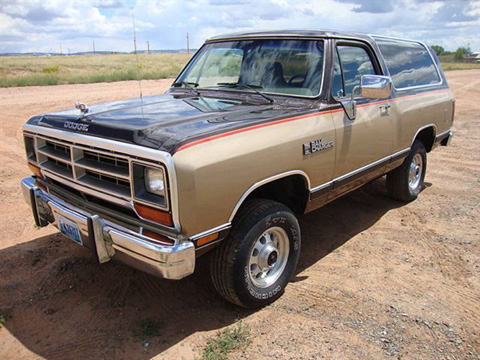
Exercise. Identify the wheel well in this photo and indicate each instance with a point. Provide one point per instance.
(427, 137)
(292, 191)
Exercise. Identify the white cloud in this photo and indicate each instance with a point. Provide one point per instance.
(35, 25)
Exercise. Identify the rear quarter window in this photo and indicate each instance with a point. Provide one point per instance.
(409, 63)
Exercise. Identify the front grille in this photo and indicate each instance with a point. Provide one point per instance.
(93, 168)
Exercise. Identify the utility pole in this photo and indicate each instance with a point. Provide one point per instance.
(148, 47)
(68, 51)
(188, 45)
(93, 47)
(134, 35)
(61, 53)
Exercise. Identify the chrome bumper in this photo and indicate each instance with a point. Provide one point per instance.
(109, 240)
(444, 139)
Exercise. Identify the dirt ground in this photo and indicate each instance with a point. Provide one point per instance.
(376, 278)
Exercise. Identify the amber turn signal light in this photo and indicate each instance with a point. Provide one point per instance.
(35, 169)
(162, 239)
(207, 239)
(155, 215)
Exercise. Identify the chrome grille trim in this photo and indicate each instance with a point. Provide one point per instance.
(116, 149)
(78, 163)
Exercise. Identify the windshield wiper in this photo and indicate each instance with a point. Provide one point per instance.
(250, 87)
(188, 85)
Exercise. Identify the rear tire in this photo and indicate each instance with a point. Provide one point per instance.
(405, 182)
(254, 264)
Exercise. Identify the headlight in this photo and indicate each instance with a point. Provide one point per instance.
(154, 181)
(150, 184)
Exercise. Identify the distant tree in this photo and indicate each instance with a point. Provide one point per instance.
(461, 52)
(439, 50)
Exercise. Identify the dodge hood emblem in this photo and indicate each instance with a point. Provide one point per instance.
(76, 126)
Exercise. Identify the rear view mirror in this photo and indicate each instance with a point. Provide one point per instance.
(371, 87)
(375, 86)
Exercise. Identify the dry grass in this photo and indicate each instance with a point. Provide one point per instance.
(31, 70)
(447, 66)
(35, 70)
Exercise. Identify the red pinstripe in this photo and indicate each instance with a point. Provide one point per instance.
(276, 122)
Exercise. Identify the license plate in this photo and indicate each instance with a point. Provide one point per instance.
(69, 228)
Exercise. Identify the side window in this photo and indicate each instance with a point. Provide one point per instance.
(337, 85)
(409, 63)
(355, 63)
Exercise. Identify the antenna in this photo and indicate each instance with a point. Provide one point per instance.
(188, 45)
(136, 54)
(93, 47)
(148, 47)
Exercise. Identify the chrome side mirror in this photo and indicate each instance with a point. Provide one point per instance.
(375, 86)
(371, 87)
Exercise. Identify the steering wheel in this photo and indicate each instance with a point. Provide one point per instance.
(295, 77)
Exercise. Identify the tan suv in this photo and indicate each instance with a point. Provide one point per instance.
(258, 129)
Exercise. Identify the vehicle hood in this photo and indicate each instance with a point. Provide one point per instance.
(168, 121)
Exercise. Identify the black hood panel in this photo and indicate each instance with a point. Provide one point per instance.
(168, 121)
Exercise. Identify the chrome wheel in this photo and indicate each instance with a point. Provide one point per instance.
(415, 173)
(269, 257)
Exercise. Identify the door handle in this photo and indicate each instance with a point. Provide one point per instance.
(384, 110)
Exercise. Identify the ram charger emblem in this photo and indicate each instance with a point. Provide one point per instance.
(316, 145)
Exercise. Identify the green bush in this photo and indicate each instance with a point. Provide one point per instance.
(51, 69)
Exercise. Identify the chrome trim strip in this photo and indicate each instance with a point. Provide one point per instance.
(321, 187)
(399, 153)
(359, 170)
(211, 231)
(263, 182)
(123, 148)
(363, 168)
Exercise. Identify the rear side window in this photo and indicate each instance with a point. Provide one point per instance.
(409, 63)
(355, 62)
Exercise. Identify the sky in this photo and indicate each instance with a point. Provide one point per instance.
(45, 26)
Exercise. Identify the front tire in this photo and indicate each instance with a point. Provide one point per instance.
(405, 182)
(254, 264)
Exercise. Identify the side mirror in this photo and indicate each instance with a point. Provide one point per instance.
(371, 87)
(375, 86)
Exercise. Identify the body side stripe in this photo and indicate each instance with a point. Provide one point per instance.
(281, 121)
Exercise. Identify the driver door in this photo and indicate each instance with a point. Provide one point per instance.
(363, 143)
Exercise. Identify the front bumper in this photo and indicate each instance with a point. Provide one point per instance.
(109, 240)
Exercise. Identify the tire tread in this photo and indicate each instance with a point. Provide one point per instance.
(224, 256)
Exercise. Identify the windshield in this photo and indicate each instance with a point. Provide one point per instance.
(290, 67)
